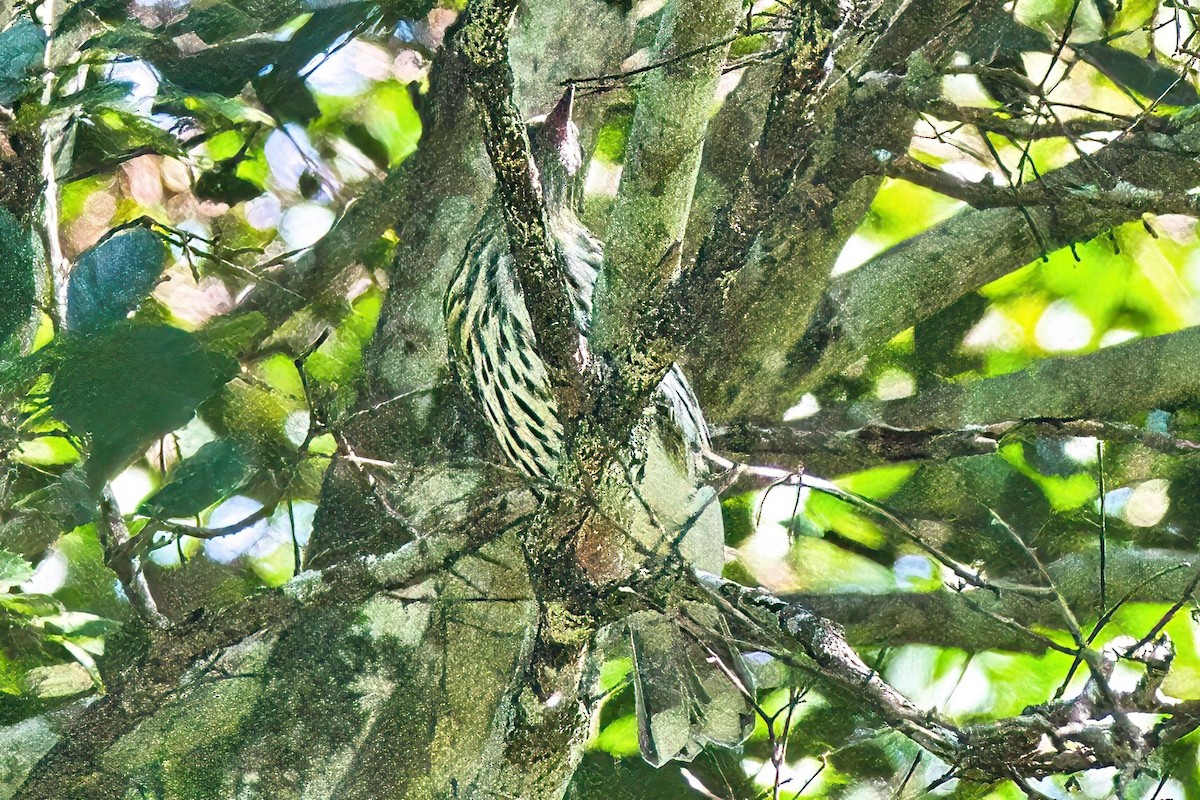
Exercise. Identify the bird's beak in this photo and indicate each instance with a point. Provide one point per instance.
(559, 118)
(562, 132)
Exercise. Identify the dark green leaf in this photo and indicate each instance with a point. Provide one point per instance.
(21, 50)
(223, 185)
(217, 22)
(42, 515)
(1145, 76)
(18, 254)
(286, 98)
(112, 278)
(372, 148)
(129, 385)
(217, 470)
(310, 185)
(112, 135)
(222, 21)
(230, 334)
(225, 69)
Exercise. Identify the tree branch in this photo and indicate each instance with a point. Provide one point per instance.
(482, 42)
(140, 690)
(835, 452)
(809, 184)
(649, 218)
(1056, 737)
(866, 307)
(1117, 383)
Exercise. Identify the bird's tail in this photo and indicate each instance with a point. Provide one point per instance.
(691, 688)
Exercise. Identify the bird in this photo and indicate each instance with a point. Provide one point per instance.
(684, 699)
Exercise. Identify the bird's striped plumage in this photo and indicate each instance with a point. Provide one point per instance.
(492, 340)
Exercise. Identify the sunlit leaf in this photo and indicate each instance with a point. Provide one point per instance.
(1145, 76)
(14, 570)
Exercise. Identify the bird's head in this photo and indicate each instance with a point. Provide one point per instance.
(554, 140)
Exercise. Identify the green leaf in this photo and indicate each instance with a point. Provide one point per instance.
(222, 21)
(80, 623)
(216, 23)
(112, 135)
(112, 278)
(30, 605)
(225, 69)
(230, 334)
(1145, 76)
(372, 148)
(21, 50)
(81, 656)
(217, 470)
(131, 384)
(14, 570)
(18, 254)
(223, 185)
(392, 119)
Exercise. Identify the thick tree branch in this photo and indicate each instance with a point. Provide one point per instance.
(482, 42)
(1117, 383)
(864, 308)
(834, 452)
(648, 221)
(972, 619)
(138, 691)
(808, 185)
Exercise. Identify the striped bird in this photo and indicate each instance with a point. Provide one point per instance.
(491, 338)
(684, 700)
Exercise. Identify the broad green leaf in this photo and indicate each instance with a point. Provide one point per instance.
(18, 255)
(216, 470)
(620, 737)
(372, 148)
(112, 278)
(112, 135)
(80, 624)
(392, 119)
(216, 23)
(230, 334)
(224, 69)
(1145, 76)
(21, 50)
(222, 21)
(223, 185)
(131, 384)
(14, 570)
(42, 515)
(30, 605)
